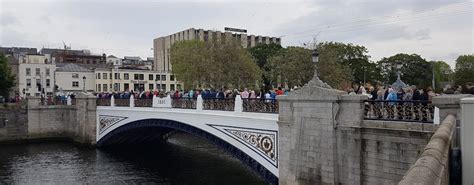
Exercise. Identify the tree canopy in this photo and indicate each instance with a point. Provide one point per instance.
(7, 80)
(211, 64)
(291, 65)
(464, 70)
(414, 69)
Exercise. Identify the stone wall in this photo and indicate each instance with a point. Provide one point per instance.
(325, 140)
(433, 165)
(76, 122)
(13, 122)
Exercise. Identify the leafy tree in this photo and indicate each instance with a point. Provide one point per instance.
(464, 70)
(292, 64)
(213, 64)
(355, 58)
(330, 70)
(414, 69)
(7, 80)
(442, 72)
(262, 53)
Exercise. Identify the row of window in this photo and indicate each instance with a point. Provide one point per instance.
(37, 71)
(136, 87)
(38, 82)
(135, 76)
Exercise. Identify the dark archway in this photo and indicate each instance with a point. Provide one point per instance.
(152, 129)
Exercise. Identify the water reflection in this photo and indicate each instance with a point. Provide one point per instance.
(182, 160)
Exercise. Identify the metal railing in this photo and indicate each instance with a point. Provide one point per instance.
(413, 111)
(103, 102)
(122, 102)
(260, 105)
(143, 102)
(183, 103)
(225, 104)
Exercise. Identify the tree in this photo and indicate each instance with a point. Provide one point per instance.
(442, 73)
(213, 64)
(262, 53)
(292, 65)
(355, 58)
(330, 70)
(414, 69)
(464, 71)
(7, 80)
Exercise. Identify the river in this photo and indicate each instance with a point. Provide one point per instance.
(184, 159)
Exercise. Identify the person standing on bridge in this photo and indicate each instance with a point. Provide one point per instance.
(245, 93)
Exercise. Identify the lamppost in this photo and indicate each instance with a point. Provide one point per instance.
(84, 83)
(316, 81)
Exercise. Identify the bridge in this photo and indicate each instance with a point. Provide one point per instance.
(247, 128)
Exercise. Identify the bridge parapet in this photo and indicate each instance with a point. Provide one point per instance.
(236, 104)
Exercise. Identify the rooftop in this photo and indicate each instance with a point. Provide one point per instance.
(72, 68)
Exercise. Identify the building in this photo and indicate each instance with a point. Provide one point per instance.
(113, 60)
(74, 78)
(36, 76)
(81, 57)
(162, 45)
(135, 62)
(116, 80)
(13, 55)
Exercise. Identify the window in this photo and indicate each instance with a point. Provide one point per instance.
(105, 87)
(126, 86)
(125, 76)
(47, 71)
(75, 75)
(37, 73)
(28, 82)
(135, 76)
(104, 76)
(172, 77)
(38, 83)
(99, 88)
(98, 75)
(142, 76)
(28, 71)
(157, 77)
(75, 84)
(110, 76)
(48, 83)
(150, 87)
(117, 76)
(163, 87)
(150, 77)
(116, 86)
(172, 87)
(163, 77)
(178, 86)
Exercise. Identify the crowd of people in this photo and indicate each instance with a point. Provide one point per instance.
(194, 93)
(410, 93)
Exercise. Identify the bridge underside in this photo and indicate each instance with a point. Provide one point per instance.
(156, 130)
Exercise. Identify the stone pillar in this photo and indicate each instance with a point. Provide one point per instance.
(85, 131)
(467, 148)
(238, 104)
(112, 101)
(307, 136)
(449, 104)
(199, 103)
(132, 101)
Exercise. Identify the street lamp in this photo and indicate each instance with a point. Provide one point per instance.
(84, 83)
(316, 81)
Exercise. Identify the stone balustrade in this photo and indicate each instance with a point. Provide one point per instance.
(433, 166)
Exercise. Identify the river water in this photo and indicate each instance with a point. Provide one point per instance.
(184, 159)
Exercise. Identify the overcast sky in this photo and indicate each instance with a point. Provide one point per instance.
(435, 29)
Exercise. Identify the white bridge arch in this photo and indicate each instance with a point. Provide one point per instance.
(250, 137)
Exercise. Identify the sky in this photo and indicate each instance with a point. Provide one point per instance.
(434, 29)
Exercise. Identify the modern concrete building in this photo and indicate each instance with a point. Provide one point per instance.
(74, 78)
(115, 80)
(162, 45)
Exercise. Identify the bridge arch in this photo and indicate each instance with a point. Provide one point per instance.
(169, 125)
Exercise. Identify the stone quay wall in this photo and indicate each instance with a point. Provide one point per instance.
(76, 122)
(433, 165)
(324, 139)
